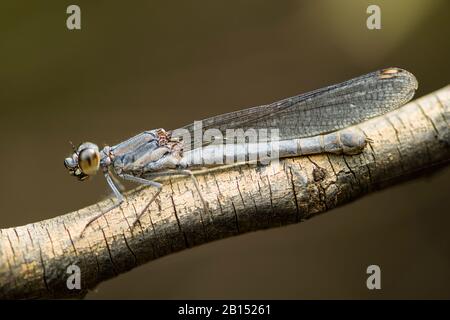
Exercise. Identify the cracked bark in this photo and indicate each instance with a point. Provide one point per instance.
(412, 140)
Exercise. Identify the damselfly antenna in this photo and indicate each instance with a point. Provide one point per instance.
(73, 146)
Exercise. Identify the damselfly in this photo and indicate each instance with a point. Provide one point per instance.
(309, 123)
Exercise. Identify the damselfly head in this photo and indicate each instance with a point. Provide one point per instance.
(85, 161)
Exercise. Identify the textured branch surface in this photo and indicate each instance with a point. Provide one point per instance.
(34, 258)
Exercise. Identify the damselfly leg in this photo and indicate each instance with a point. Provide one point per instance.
(144, 182)
(183, 172)
(118, 196)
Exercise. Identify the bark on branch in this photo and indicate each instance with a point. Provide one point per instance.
(34, 258)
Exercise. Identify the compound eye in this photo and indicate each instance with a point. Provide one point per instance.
(89, 161)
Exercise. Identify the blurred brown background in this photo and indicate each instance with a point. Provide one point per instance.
(147, 64)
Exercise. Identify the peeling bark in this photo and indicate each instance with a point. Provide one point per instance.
(34, 258)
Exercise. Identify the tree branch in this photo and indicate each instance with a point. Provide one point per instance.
(34, 258)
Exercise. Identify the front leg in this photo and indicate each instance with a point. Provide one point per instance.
(117, 194)
(117, 182)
